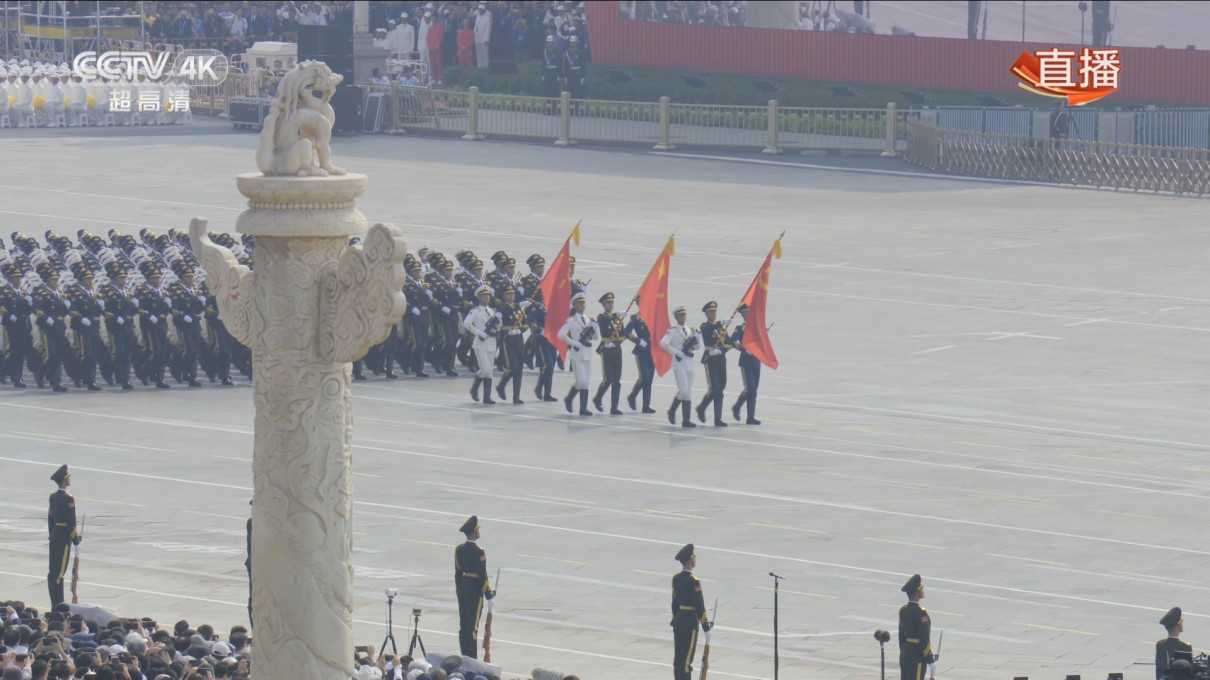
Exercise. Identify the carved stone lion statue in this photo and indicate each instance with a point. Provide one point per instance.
(297, 134)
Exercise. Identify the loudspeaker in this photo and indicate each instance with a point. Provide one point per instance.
(317, 42)
(341, 65)
(349, 107)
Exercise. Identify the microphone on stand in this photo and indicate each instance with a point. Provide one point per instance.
(776, 580)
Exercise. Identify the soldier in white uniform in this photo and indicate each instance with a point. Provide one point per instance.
(54, 97)
(75, 99)
(680, 341)
(579, 332)
(4, 76)
(483, 322)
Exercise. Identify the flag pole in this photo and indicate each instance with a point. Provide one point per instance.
(741, 302)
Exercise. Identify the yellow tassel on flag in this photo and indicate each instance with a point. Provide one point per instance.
(671, 245)
(575, 234)
(777, 249)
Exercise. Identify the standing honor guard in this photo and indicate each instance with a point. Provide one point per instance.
(749, 369)
(637, 332)
(613, 333)
(715, 344)
(915, 650)
(483, 322)
(446, 320)
(418, 317)
(1171, 649)
(61, 523)
(16, 308)
(688, 612)
(579, 332)
(471, 583)
(513, 327)
(120, 313)
(681, 342)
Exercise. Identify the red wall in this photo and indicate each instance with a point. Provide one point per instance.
(1148, 74)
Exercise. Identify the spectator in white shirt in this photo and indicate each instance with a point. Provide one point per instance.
(376, 77)
(483, 35)
(408, 78)
(239, 25)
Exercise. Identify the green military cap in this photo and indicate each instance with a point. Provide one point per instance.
(149, 269)
(10, 269)
(710, 306)
(508, 289)
(114, 269)
(608, 297)
(81, 271)
(913, 584)
(685, 554)
(535, 260)
(471, 525)
(62, 474)
(1172, 618)
(46, 271)
(446, 266)
(413, 266)
(743, 308)
(499, 256)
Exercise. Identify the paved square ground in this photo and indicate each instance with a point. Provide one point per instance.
(1000, 387)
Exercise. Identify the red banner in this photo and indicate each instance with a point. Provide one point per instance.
(556, 291)
(653, 304)
(756, 334)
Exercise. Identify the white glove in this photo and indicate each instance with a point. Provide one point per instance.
(86, 321)
(415, 311)
(459, 289)
(29, 299)
(188, 319)
(445, 310)
(707, 636)
(499, 316)
(67, 302)
(135, 301)
(482, 335)
(50, 321)
(715, 352)
(491, 604)
(202, 298)
(520, 290)
(610, 345)
(514, 331)
(642, 343)
(430, 292)
(102, 303)
(121, 321)
(153, 318)
(12, 317)
(933, 669)
(524, 304)
(577, 344)
(679, 354)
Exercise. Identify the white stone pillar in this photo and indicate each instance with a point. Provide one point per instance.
(313, 305)
(361, 17)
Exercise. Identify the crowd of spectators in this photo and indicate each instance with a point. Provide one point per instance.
(701, 12)
(69, 643)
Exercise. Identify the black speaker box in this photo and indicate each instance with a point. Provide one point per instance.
(349, 107)
(341, 65)
(317, 42)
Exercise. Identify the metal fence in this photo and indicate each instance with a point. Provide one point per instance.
(1079, 163)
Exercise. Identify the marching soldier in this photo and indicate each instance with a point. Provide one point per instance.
(187, 310)
(749, 370)
(86, 310)
(681, 342)
(637, 332)
(51, 310)
(448, 303)
(577, 285)
(579, 332)
(531, 283)
(15, 309)
(1171, 649)
(120, 313)
(498, 278)
(155, 309)
(688, 612)
(222, 341)
(715, 344)
(468, 279)
(612, 336)
(417, 318)
(915, 650)
(483, 322)
(61, 524)
(472, 585)
(512, 327)
(535, 316)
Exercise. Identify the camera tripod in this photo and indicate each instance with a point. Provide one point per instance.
(390, 627)
(416, 634)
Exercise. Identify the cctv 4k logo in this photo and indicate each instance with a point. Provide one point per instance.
(1080, 78)
(196, 67)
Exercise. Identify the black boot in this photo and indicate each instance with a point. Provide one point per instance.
(584, 403)
(475, 388)
(672, 411)
(634, 393)
(538, 387)
(517, 391)
(567, 400)
(500, 387)
(701, 408)
(596, 399)
(487, 392)
(647, 399)
(550, 377)
(752, 411)
(718, 413)
(743, 396)
(686, 419)
(615, 393)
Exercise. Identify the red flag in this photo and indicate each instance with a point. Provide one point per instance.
(653, 304)
(556, 292)
(756, 334)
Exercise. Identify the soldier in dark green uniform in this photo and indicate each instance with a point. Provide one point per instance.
(613, 334)
(715, 344)
(915, 650)
(1171, 649)
(749, 368)
(61, 523)
(472, 586)
(512, 326)
(688, 611)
